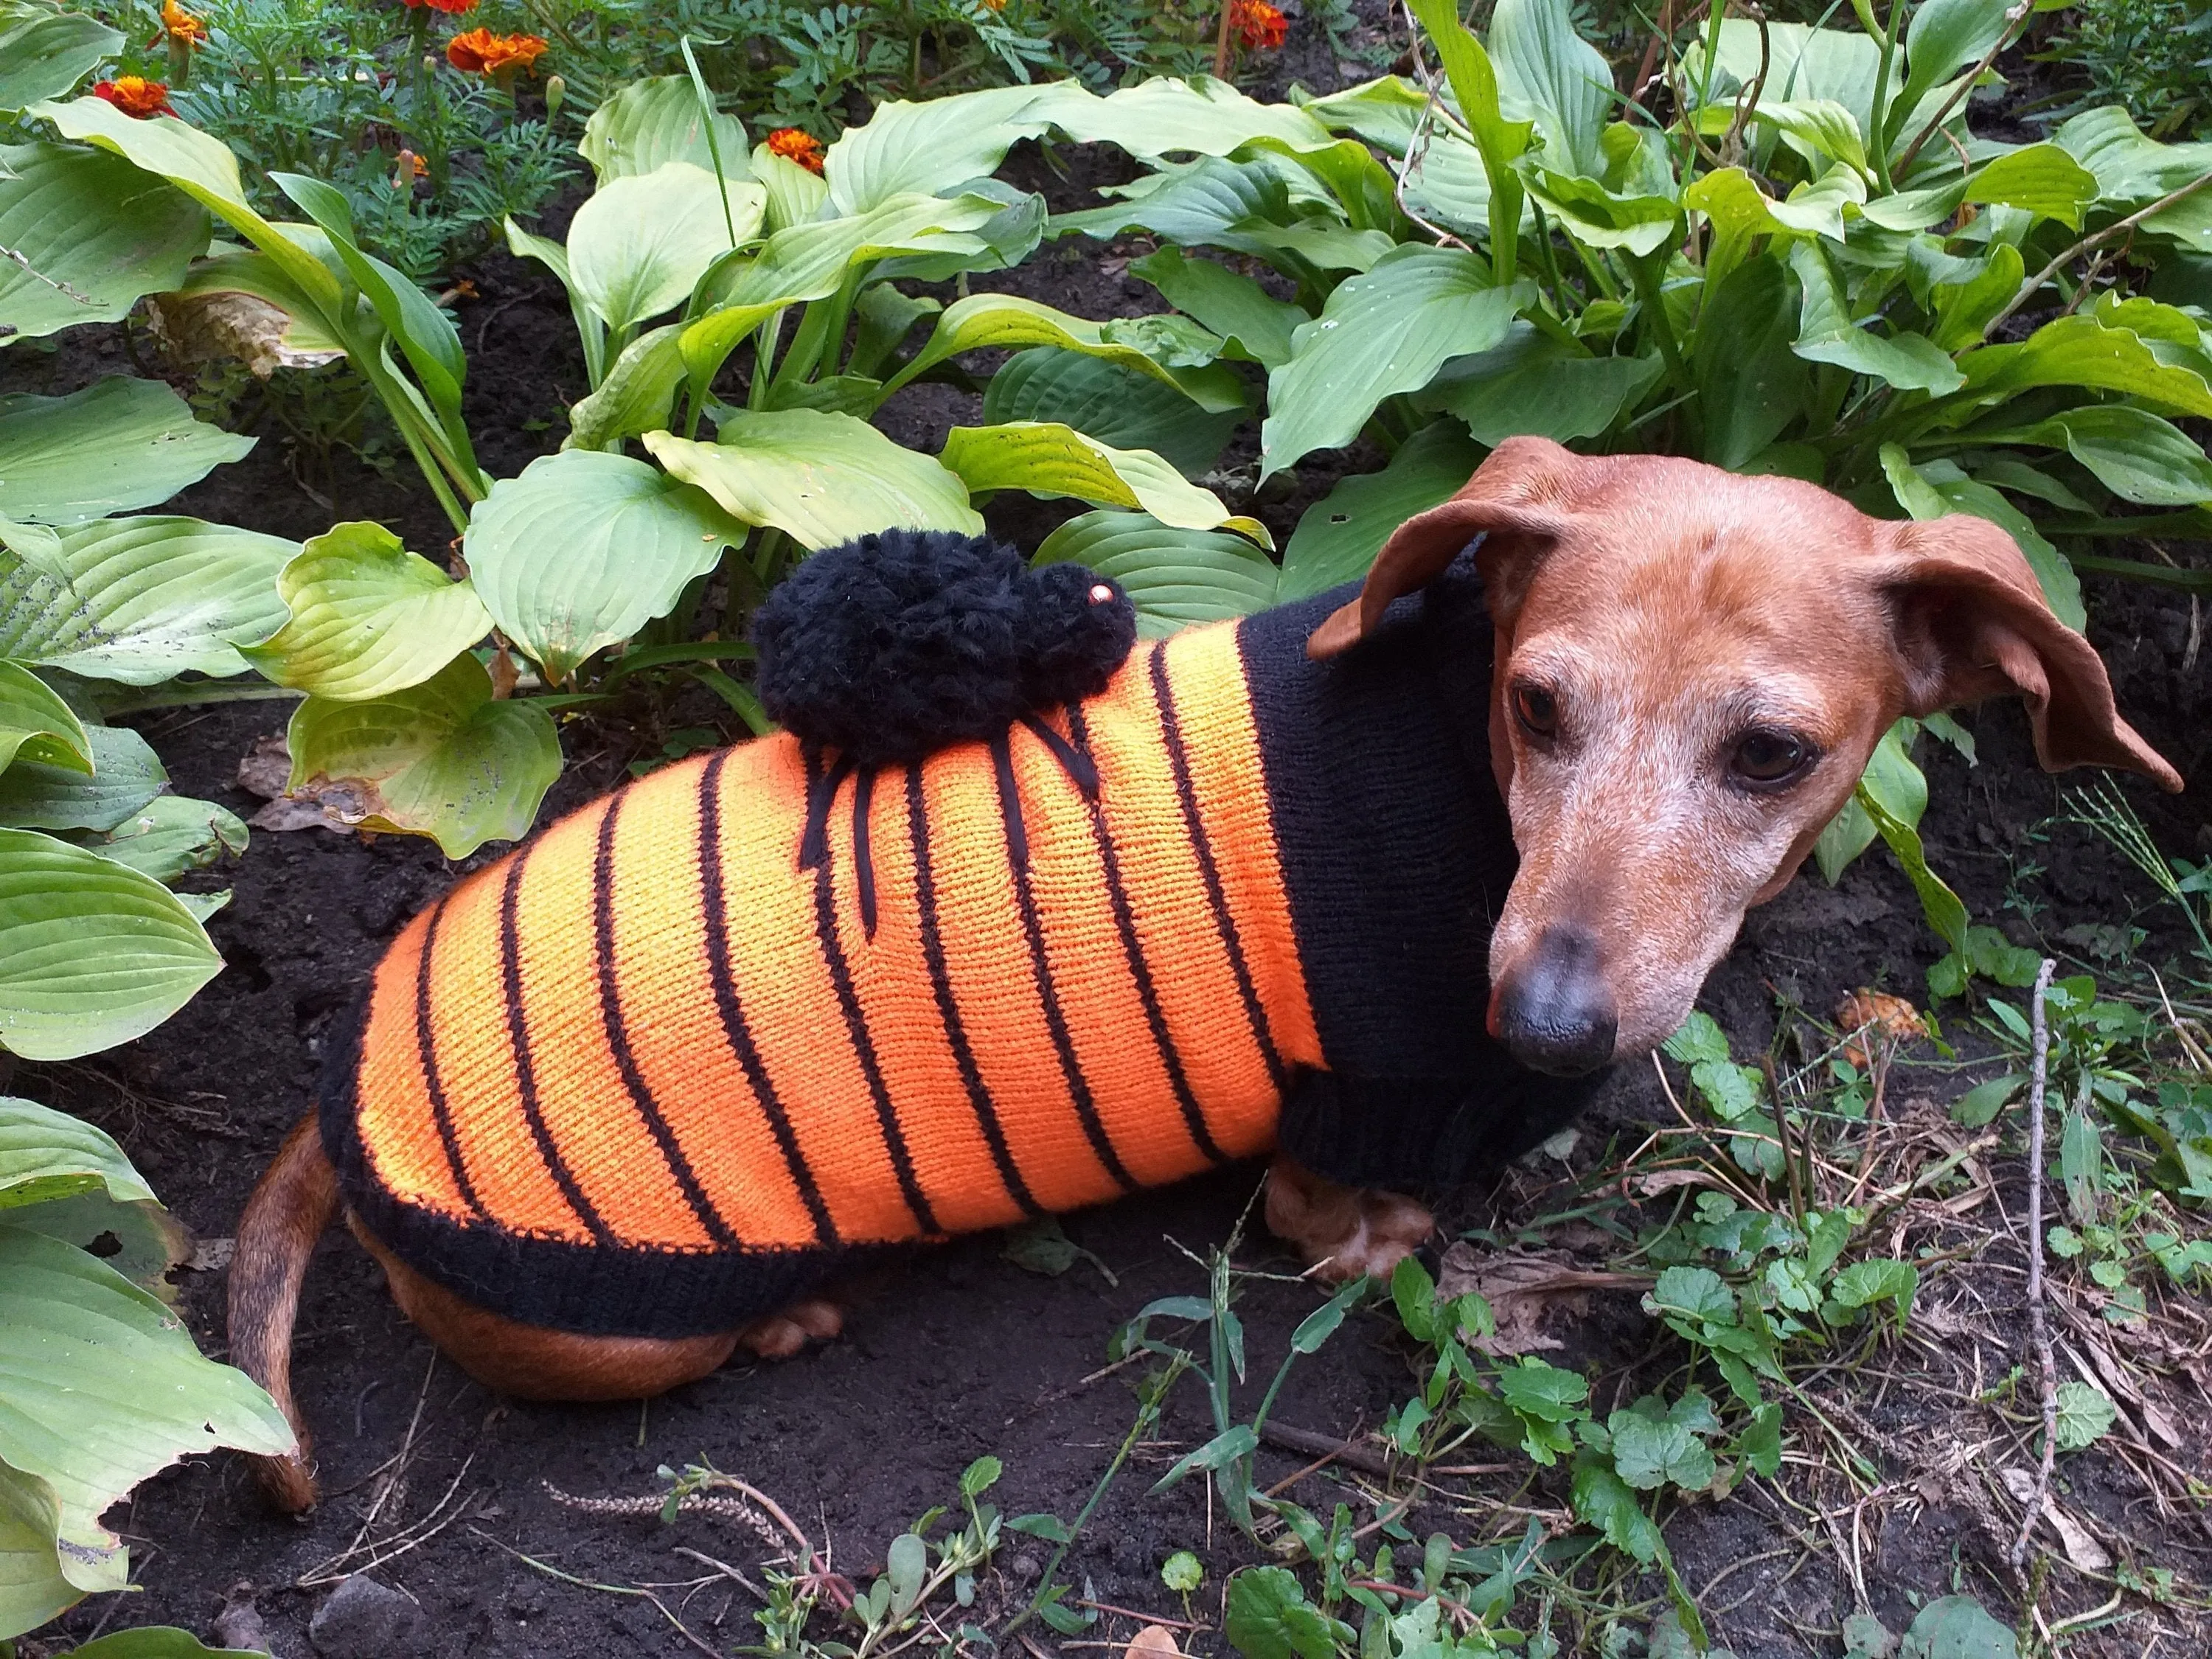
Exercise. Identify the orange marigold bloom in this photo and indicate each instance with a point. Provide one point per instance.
(1258, 26)
(797, 144)
(180, 27)
(454, 6)
(136, 96)
(482, 53)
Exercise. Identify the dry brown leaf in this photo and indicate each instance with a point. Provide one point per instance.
(1523, 1291)
(1153, 1642)
(205, 328)
(2086, 1554)
(1878, 1014)
(321, 803)
(1665, 1181)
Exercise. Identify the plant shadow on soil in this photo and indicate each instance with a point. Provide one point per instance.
(955, 1351)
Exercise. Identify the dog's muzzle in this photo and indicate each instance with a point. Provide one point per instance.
(1553, 1011)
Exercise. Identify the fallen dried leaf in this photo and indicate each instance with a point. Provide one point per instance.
(1878, 1014)
(211, 1255)
(1523, 1291)
(321, 803)
(2083, 1551)
(1153, 1642)
(205, 328)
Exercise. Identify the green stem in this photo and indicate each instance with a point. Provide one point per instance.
(192, 693)
(1645, 272)
(1878, 140)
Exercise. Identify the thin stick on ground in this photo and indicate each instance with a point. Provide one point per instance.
(2039, 1323)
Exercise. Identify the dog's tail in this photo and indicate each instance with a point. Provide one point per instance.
(288, 1211)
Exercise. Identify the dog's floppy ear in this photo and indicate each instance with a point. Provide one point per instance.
(1970, 622)
(1515, 500)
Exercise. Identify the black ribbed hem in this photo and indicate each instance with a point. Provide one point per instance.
(1424, 1136)
(590, 1289)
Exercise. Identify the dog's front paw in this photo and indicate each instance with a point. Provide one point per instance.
(784, 1333)
(1343, 1231)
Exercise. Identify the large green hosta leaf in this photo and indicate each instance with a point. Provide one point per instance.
(1047, 458)
(1936, 487)
(367, 616)
(86, 234)
(1750, 384)
(46, 1154)
(92, 954)
(650, 123)
(1252, 323)
(1107, 401)
(1175, 577)
(1549, 73)
(2083, 351)
(2134, 453)
(642, 242)
(37, 725)
(905, 149)
(820, 478)
(100, 1387)
(32, 1587)
(584, 549)
(1168, 116)
(1530, 383)
(1387, 331)
(1827, 334)
(138, 600)
(117, 444)
(1010, 322)
(1339, 536)
(126, 775)
(443, 759)
(636, 397)
(44, 51)
(172, 834)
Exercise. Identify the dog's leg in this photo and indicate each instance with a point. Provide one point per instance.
(288, 1211)
(1343, 1231)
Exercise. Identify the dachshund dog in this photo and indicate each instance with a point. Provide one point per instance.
(1019, 914)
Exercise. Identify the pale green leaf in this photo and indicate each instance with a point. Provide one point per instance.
(32, 1587)
(368, 617)
(649, 123)
(820, 478)
(1530, 383)
(636, 395)
(1944, 37)
(139, 599)
(126, 775)
(44, 51)
(2043, 178)
(2085, 1415)
(1827, 334)
(1010, 322)
(1548, 73)
(1174, 577)
(36, 724)
(1167, 116)
(442, 759)
(1802, 63)
(92, 954)
(642, 241)
(796, 196)
(2134, 453)
(87, 234)
(45, 1155)
(584, 549)
(1956, 1627)
(2083, 351)
(1387, 331)
(921, 148)
(1047, 458)
(116, 445)
(172, 834)
(100, 1387)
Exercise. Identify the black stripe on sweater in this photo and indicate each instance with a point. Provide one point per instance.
(441, 1111)
(1187, 795)
(948, 1009)
(518, 1031)
(734, 1028)
(1055, 1020)
(856, 1027)
(1125, 923)
(640, 1094)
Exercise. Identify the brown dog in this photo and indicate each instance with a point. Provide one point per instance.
(1687, 672)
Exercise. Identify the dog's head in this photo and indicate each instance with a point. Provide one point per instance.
(1693, 669)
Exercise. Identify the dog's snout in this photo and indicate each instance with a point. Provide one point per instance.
(1552, 1009)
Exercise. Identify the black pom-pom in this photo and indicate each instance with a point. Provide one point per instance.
(902, 642)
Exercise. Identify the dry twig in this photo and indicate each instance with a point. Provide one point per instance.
(2039, 1321)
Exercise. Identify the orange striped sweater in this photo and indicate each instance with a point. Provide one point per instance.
(661, 1068)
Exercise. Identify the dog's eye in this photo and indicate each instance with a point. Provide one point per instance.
(1537, 710)
(1765, 758)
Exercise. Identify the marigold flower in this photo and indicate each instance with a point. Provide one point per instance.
(136, 96)
(994, 5)
(482, 53)
(456, 7)
(1258, 26)
(797, 144)
(179, 28)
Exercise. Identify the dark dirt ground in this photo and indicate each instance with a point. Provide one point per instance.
(957, 1352)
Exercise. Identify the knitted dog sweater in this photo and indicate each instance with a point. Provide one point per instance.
(666, 1065)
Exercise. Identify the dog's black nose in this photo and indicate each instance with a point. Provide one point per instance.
(1554, 1012)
